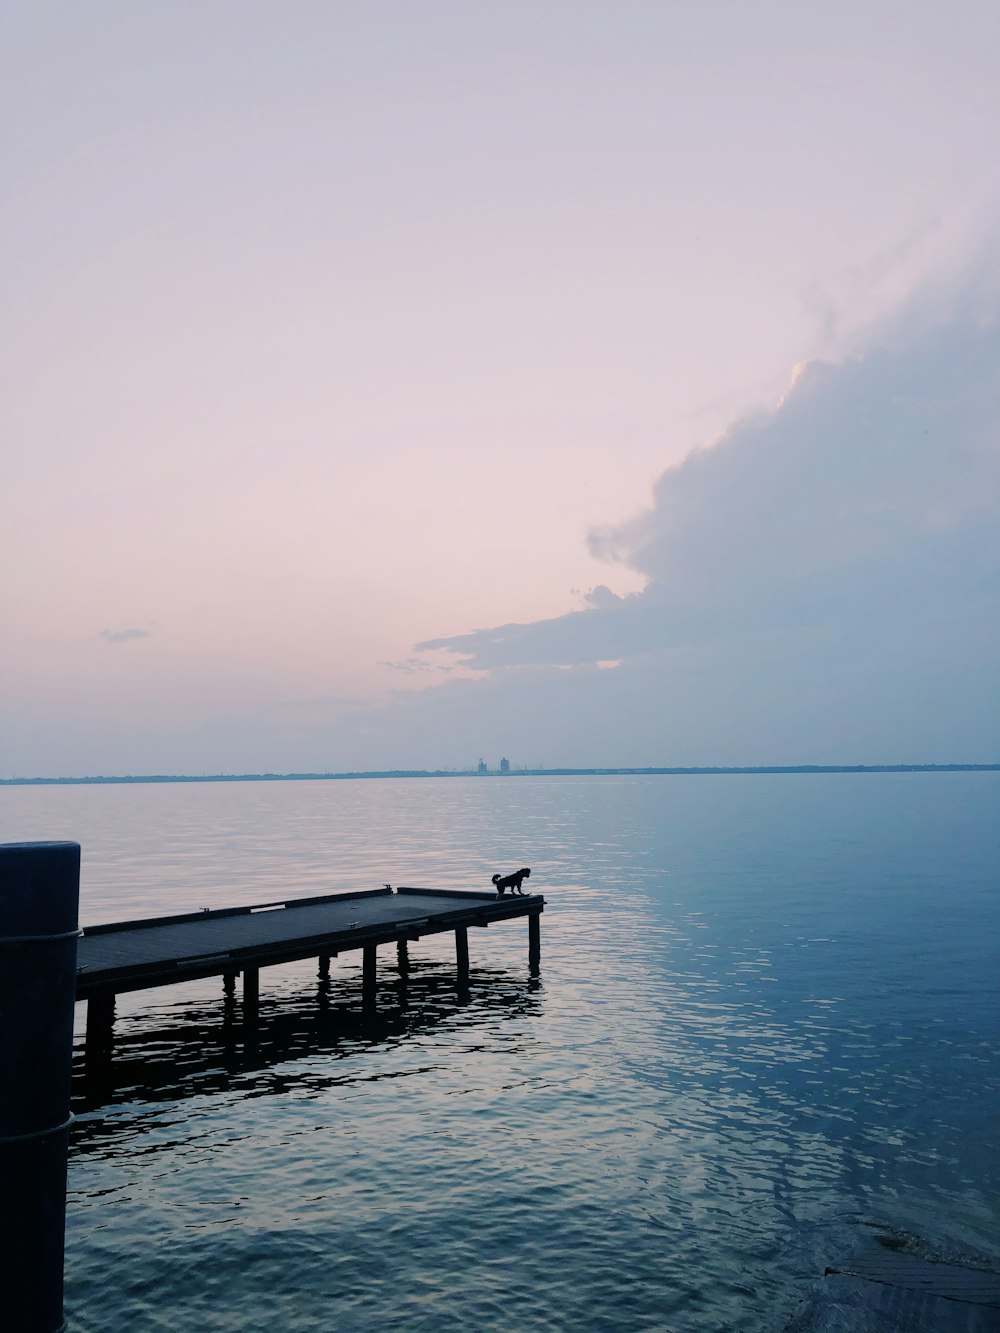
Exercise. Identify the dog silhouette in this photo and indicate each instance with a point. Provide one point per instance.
(512, 882)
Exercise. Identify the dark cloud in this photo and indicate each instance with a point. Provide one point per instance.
(123, 635)
(829, 570)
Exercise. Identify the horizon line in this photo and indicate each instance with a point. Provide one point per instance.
(674, 771)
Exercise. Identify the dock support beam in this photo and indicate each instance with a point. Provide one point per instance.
(368, 979)
(462, 953)
(100, 1028)
(324, 967)
(534, 939)
(402, 956)
(251, 995)
(39, 898)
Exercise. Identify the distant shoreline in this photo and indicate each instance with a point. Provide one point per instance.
(514, 773)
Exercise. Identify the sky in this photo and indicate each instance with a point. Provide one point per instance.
(594, 384)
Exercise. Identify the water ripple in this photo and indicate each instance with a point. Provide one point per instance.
(766, 1026)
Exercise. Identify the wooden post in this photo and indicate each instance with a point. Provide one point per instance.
(228, 1006)
(324, 967)
(402, 956)
(99, 1045)
(39, 898)
(534, 939)
(368, 978)
(251, 995)
(100, 1028)
(462, 953)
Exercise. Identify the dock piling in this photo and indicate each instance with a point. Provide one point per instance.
(39, 898)
(534, 939)
(251, 995)
(368, 966)
(462, 953)
(100, 1027)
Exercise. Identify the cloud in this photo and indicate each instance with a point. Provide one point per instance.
(872, 479)
(326, 704)
(602, 596)
(828, 572)
(409, 666)
(123, 635)
(416, 667)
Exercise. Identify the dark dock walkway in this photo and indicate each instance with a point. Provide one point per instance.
(136, 955)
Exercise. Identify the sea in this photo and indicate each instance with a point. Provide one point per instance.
(764, 1034)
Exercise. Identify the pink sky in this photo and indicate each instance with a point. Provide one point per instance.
(334, 329)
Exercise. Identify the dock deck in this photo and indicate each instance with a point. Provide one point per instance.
(136, 955)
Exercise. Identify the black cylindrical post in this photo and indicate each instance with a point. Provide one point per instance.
(534, 939)
(39, 901)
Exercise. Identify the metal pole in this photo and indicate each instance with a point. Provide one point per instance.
(39, 901)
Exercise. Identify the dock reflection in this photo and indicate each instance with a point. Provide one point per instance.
(188, 1050)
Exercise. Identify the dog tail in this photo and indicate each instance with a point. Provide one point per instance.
(496, 879)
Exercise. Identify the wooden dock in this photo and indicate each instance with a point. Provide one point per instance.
(232, 941)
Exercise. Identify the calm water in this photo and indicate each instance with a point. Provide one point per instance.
(766, 1031)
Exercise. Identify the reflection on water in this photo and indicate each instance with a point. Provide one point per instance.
(766, 1028)
(190, 1050)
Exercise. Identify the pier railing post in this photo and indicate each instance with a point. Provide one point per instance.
(39, 900)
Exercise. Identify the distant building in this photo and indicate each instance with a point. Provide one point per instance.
(504, 765)
(482, 770)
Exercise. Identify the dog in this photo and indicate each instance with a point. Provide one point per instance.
(512, 882)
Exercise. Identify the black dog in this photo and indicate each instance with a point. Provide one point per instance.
(512, 882)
